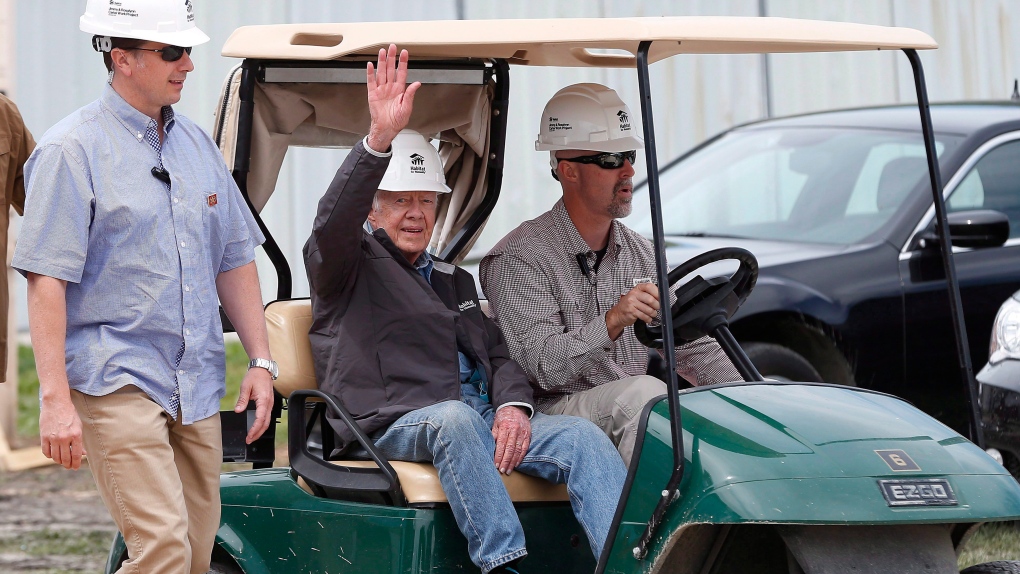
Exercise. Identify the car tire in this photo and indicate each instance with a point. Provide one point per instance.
(998, 567)
(224, 568)
(780, 363)
(1012, 464)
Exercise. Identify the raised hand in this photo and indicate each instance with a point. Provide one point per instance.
(390, 100)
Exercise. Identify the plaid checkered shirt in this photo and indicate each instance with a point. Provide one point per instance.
(554, 316)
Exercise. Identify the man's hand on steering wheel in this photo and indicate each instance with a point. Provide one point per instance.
(640, 303)
(703, 304)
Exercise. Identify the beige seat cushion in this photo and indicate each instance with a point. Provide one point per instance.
(288, 323)
(420, 484)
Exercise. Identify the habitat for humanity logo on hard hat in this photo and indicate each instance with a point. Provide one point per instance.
(624, 120)
(417, 163)
(191, 10)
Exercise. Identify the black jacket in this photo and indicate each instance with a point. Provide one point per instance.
(385, 342)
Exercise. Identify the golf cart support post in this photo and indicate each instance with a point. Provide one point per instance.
(581, 43)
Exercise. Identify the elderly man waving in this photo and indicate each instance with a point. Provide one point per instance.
(401, 340)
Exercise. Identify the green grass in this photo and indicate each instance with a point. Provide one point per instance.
(28, 394)
(28, 391)
(992, 542)
(48, 542)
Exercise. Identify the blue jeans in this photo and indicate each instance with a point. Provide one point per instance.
(456, 437)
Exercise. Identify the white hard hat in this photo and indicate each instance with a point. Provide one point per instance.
(165, 21)
(587, 117)
(414, 166)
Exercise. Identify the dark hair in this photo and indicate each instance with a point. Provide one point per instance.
(122, 43)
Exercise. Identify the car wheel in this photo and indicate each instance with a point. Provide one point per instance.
(224, 568)
(780, 363)
(1012, 464)
(998, 567)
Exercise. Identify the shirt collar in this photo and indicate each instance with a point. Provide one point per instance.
(424, 265)
(168, 118)
(134, 121)
(571, 237)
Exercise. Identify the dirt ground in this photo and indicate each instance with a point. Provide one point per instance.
(52, 521)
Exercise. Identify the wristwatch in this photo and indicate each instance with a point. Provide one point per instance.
(267, 364)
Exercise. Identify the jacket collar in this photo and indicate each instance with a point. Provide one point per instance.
(384, 239)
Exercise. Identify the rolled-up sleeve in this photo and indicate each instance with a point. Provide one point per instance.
(703, 362)
(59, 207)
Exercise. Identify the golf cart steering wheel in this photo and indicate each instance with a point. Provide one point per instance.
(702, 305)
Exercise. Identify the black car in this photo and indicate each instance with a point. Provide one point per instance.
(837, 208)
(1000, 387)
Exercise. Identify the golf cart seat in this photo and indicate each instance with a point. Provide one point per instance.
(288, 322)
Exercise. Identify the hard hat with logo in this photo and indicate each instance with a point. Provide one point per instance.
(587, 117)
(414, 166)
(165, 21)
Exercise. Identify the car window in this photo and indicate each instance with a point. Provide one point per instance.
(818, 185)
(993, 183)
(890, 171)
(755, 189)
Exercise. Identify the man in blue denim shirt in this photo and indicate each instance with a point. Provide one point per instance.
(402, 341)
(133, 229)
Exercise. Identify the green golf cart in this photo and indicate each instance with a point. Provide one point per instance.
(755, 476)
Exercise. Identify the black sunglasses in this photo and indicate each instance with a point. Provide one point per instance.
(169, 54)
(606, 160)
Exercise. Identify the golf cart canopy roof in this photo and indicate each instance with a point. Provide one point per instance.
(295, 101)
(570, 42)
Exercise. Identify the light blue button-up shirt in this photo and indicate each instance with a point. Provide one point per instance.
(141, 261)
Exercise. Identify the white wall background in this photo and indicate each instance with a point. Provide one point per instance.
(55, 71)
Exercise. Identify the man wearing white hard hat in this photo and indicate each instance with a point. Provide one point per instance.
(567, 287)
(401, 340)
(134, 233)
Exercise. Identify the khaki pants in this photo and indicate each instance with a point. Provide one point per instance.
(159, 479)
(615, 407)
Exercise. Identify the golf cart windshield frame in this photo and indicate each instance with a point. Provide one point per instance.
(649, 50)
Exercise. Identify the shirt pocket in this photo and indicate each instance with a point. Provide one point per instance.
(573, 315)
(209, 210)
